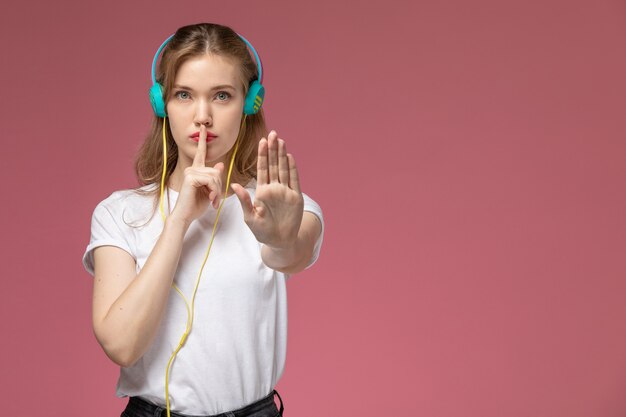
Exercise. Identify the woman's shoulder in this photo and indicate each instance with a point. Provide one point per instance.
(129, 205)
(130, 197)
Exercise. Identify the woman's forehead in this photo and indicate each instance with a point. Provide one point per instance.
(206, 71)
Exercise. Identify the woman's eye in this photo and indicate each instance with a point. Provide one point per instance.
(222, 95)
(182, 95)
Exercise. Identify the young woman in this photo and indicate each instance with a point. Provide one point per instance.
(191, 303)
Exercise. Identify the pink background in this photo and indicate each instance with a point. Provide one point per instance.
(470, 158)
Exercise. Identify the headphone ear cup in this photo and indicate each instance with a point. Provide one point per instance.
(156, 99)
(254, 98)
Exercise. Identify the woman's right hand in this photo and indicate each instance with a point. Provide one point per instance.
(201, 186)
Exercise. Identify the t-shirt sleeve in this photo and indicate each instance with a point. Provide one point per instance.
(311, 206)
(106, 230)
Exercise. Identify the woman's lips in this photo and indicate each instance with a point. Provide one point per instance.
(209, 136)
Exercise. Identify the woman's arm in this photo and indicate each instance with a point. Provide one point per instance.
(276, 218)
(128, 307)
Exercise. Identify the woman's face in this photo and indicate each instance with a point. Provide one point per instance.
(207, 90)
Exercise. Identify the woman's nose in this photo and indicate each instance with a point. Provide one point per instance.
(203, 113)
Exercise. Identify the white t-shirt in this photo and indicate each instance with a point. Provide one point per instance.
(235, 352)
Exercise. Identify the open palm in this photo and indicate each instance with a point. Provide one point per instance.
(276, 213)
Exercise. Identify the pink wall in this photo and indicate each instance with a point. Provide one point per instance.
(470, 158)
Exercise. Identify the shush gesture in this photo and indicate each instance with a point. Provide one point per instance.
(276, 213)
(201, 185)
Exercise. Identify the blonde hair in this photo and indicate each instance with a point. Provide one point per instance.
(188, 42)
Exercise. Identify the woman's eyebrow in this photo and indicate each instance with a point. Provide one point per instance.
(217, 87)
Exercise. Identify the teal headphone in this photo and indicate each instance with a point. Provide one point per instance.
(254, 98)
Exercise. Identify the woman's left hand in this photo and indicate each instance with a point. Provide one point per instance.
(276, 214)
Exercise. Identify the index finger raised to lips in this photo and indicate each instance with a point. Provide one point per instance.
(200, 158)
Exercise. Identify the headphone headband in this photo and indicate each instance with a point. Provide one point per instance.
(156, 56)
(259, 64)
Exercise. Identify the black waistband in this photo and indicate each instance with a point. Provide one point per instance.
(140, 403)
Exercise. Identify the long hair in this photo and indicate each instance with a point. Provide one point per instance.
(188, 42)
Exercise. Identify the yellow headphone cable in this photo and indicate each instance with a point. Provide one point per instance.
(190, 311)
